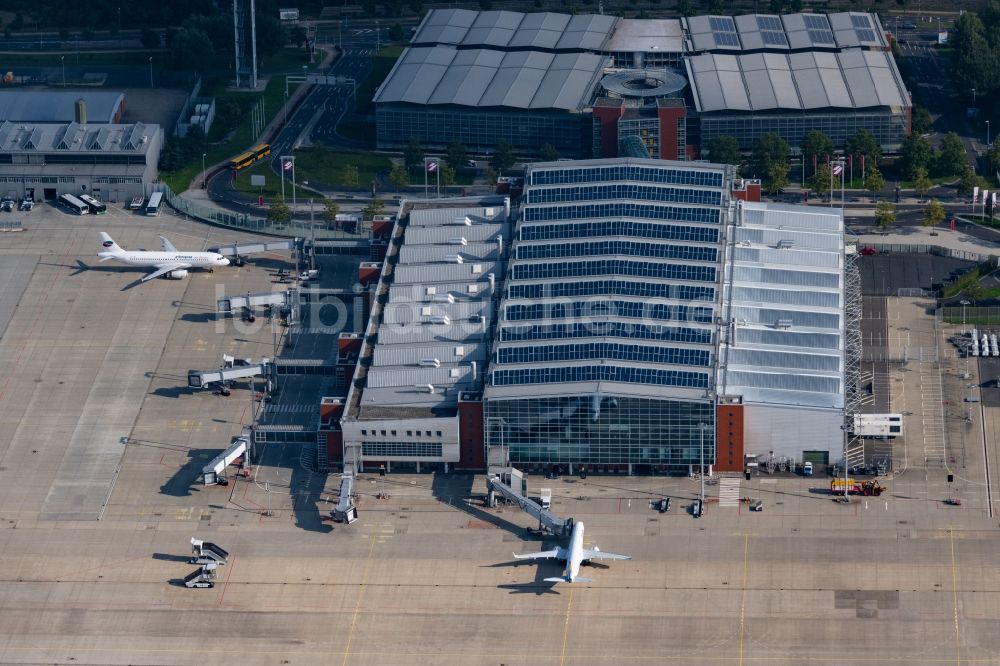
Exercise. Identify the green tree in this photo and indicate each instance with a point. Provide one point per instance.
(396, 33)
(970, 180)
(375, 207)
(191, 49)
(447, 175)
(457, 155)
(863, 143)
(923, 122)
(820, 182)
(349, 175)
(398, 177)
(816, 143)
(330, 211)
(993, 156)
(769, 161)
(503, 156)
(952, 159)
(921, 183)
(548, 153)
(413, 154)
(279, 212)
(271, 36)
(297, 36)
(933, 213)
(490, 176)
(973, 61)
(684, 7)
(725, 150)
(885, 213)
(874, 182)
(150, 38)
(915, 152)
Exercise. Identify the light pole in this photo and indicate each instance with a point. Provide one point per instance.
(973, 98)
(987, 131)
(963, 303)
(204, 176)
(150, 71)
(701, 474)
(847, 499)
(62, 60)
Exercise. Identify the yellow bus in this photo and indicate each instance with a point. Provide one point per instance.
(250, 157)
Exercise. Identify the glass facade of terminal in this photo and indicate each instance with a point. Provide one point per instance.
(889, 126)
(480, 128)
(602, 430)
(605, 343)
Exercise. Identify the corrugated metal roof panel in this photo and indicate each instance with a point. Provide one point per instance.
(393, 355)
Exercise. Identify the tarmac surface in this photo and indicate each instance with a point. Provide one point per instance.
(101, 442)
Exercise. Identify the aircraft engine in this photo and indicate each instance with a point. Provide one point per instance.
(178, 274)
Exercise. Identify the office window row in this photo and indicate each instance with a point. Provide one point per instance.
(600, 373)
(683, 292)
(621, 209)
(535, 232)
(631, 191)
(605, 329)
(643, 174)
(613, 267)
(609, 308)
(617, 247)
(615, 351)
(402, 449)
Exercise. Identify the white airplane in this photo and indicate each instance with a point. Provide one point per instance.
(574, 556)
(170, 263)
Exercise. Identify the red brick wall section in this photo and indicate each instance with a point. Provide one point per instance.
(349, 342)
(368, 273)
(750, 192)
(472, 451)
(608, 117)
(382, 227)
(335, 446)
(668, 131)
(729, 438)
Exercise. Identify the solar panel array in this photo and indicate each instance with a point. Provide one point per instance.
(724, 30)
(818, 27)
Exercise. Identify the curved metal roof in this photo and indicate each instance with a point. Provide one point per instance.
(509, 30)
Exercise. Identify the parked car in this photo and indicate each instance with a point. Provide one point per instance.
(7, 204)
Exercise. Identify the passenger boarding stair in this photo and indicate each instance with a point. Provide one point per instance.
(203, 577)
(207, 553)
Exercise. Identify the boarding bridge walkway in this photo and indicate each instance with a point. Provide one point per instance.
(231, 304)
(547, 521)
(212, 471)
(202, 378)
(238, 250)
(345, 511)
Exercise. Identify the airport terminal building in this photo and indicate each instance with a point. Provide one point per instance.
(589, 84)
(637, 314)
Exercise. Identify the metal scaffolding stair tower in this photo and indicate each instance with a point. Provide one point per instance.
(853, 394)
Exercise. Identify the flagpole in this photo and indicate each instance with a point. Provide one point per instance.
(293, 184)
(437, 172)
(281, 163)
(426, 195)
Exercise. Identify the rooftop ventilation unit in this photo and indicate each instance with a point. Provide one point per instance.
(430, 363)
(425, 388)
(783, 323)
(457, 240)
(440, 319)
(453, 258)
(444, 298)
(461, 222)
(785, 244)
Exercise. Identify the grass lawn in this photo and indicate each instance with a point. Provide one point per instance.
(381, 64)
(937, 180)
(74, 59)
(316, 166)
(288, 60)
(242, 138)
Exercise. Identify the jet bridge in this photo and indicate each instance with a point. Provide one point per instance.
(213, 470)
(231, 304)
(548, 522)
(238, 250)
(202, 378)
(345, 511)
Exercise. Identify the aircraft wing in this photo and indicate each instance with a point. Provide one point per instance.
(543, 555)
(596, 554)
(167, 245)
(163, 270)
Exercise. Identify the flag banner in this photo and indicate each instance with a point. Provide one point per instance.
(838, 169)
(287, 166)
(975, 194)
(432, 166)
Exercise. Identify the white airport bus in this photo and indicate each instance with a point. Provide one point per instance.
(73, 205)
(95, 206)
(153, 205)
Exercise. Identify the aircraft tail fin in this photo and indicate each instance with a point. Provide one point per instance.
(109, 247)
